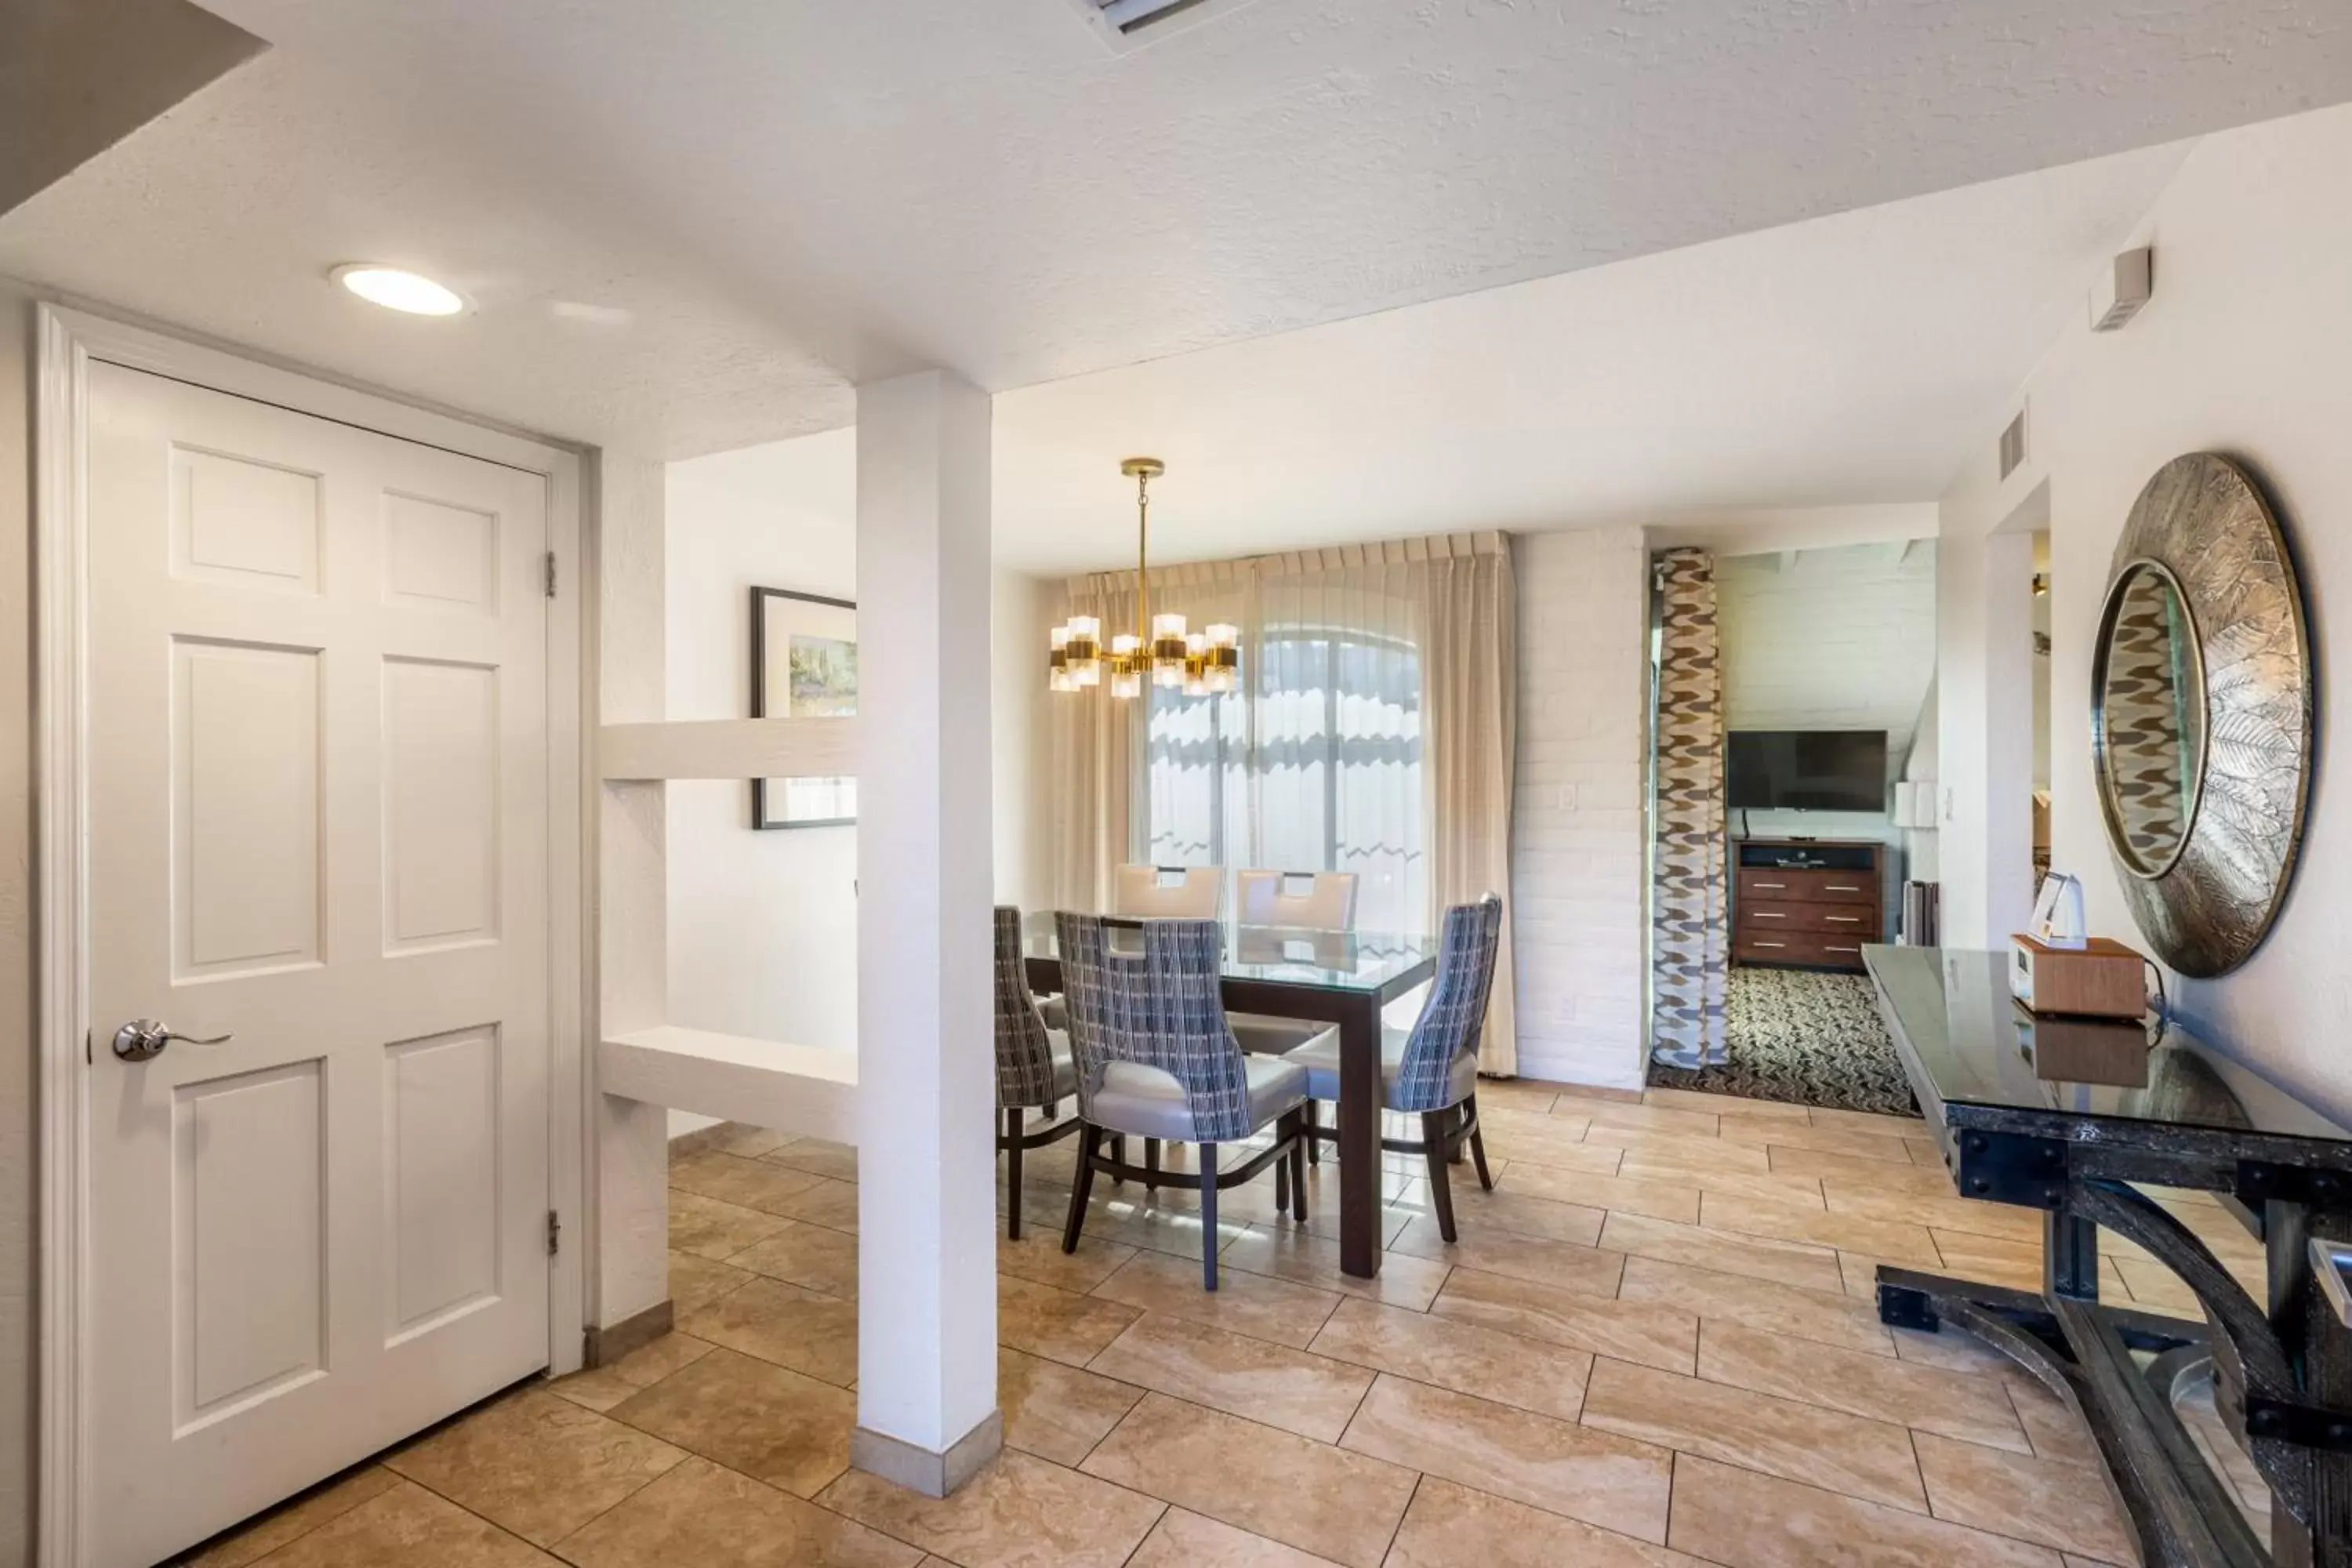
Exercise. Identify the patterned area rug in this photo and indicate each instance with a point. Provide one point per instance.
(1806, 1037)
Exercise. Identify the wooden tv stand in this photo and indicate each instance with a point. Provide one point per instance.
(1811, 901)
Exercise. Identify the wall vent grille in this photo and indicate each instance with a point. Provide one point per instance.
(2012, 446)
(1133, 15)
(1130, 23)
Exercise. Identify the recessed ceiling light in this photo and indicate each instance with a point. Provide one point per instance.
(397, 290)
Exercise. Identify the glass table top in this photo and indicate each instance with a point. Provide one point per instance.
(1977, 1046)
(1282, 955)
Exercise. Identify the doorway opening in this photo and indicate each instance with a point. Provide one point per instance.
(1795, 718)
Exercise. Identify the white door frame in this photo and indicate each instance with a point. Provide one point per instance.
(68, 341)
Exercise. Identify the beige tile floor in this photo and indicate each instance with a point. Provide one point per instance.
(1654, 1344)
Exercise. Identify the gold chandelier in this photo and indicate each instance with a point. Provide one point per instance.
(1202, 663)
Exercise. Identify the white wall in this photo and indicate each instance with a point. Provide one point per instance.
(1026, 609)
(1921, 861)
(1842, 638)
(1984, 682)
(2040, 623)
(1577, 822)
(17, 937)
(762, 925)
(2240, 350)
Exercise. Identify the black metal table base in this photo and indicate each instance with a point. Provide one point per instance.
(2082, 1351)
(2117, 1153)
(2281, 1377)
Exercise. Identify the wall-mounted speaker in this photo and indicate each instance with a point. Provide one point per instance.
(2122, 289)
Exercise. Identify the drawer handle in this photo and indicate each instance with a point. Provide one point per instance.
(1767, 944)
(1839, 887)
(1764, 915)
(1845, 919)
(1775, 887)
(1832, 947)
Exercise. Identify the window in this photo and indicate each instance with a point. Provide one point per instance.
(1315, 766)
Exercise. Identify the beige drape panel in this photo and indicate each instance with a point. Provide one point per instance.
(1470, 719)
(1450, 599)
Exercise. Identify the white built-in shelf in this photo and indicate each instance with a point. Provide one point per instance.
(729, 749)
(809, 1091)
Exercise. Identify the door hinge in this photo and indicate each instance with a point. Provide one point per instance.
(551, 573)
(554, 1230)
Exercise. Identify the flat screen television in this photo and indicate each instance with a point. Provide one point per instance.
(1806, 770)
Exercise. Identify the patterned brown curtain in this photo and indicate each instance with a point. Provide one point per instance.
(1689, 900)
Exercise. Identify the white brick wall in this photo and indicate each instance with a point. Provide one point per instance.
(1578, 820)
(1829, 639)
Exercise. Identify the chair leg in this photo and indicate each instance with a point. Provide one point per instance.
(1119, 1152)
(1477, 1143)
(1455, 1150)
(1297, 1163)
(1151, 1163)
(1441, 1194)
(1314, 1144)
(1081, 1187)
(1013, 1173)
(1287, 1127)
(1208, 1216)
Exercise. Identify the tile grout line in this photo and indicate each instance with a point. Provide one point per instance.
(1673, 1490)
(1389, 1550)
(1148, 1530)
(546, 1551)
(685, 1454)
(242, 1526)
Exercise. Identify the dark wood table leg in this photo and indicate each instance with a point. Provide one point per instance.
(1359, 1139)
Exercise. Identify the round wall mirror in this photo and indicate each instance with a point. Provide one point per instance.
(2150, 714)
(2202, 714)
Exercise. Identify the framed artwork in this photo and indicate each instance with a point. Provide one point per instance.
(803, 666)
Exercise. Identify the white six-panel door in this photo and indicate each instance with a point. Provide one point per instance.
(317, 770)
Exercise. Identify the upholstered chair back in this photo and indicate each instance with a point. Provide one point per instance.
(1450, 1022)
(1024, 1056)
(1320, 900)
(1156, 1004)
(1140, 892)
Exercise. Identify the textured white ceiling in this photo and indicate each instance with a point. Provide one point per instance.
(1808, 387)
(691, 226)
(1848, 361)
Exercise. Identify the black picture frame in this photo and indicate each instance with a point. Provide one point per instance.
(762, 797)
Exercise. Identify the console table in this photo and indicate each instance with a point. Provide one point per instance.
(2064, 1121)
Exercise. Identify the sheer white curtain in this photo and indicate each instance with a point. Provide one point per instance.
(1331, 776)
(1373, 732)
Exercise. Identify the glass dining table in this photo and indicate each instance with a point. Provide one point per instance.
(1327, 977)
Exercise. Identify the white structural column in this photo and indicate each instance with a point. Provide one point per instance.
(630, 1291)
(926, 1413)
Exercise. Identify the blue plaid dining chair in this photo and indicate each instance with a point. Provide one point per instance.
(1155, 1058)
(1034, 1070)
(1432, 1070)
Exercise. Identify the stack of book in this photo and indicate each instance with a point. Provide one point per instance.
(1921, 904)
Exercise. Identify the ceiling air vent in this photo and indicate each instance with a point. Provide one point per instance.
(2012, 446)
(1132, 24)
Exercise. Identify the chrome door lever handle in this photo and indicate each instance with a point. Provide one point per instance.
(143, 1040)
